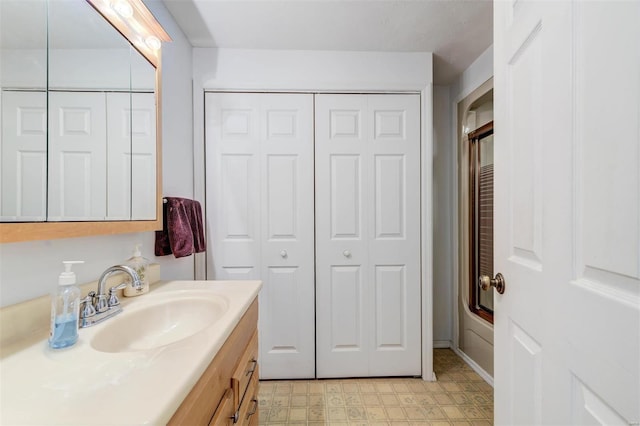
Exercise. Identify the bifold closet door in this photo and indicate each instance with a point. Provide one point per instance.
(367, 158)
(259, 176)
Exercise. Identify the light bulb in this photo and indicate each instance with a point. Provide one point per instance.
(153, 42)
(123, 9)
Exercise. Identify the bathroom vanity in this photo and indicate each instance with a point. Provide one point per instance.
(227, 392)
(185, 353)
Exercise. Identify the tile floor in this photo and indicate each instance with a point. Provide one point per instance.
(459, 397)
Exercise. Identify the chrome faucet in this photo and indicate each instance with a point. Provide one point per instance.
(99, 307)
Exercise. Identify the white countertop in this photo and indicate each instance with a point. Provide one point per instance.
(80, 385)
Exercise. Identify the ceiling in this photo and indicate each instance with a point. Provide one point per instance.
(456, 31)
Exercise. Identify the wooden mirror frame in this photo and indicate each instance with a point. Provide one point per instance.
(31, 231)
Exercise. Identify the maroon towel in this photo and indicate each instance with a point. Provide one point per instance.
(182, 232)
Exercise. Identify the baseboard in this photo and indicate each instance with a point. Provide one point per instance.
(474, 365)
(441, 344)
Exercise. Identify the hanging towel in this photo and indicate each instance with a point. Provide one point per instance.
(182, 231)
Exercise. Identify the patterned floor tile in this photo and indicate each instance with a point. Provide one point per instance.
(460, 397)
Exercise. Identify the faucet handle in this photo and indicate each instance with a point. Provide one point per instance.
(87, 310)
(113, 298)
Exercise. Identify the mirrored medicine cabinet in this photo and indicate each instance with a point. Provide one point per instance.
(79, 100)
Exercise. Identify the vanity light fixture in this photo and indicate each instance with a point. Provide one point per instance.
(137, 23)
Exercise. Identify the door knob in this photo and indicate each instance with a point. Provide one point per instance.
(346, 253)
(485, 282)
(283, 254)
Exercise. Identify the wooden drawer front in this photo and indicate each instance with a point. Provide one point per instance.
(245, 370)
(248, 411)
(224, 414)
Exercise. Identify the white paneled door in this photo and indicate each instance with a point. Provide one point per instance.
(567, 209)
(77, 149)
(24, 156)
(131, 150)
(260, 216)
(367, 158)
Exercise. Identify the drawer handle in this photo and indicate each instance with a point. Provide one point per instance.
(254, 364)
(254, 409)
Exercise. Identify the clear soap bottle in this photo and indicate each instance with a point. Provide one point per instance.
(65, 307)
(141, 266)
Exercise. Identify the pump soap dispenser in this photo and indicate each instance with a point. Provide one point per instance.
(65, 307)
(141, 266)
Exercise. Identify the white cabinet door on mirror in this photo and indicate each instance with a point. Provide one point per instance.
(368, 235)
(131, 151)
(143, 162)
(118, 156)
(77, 156)
(260, 216)
(24, 156)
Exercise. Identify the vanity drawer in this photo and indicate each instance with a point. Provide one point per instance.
(246, 369)
(224, 414)
(248, 410)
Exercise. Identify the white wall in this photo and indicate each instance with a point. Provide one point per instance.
(30, 269)
(442, 218)
(311, 70)
(478, 72)
(445, 100)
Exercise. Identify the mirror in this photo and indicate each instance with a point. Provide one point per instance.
(79, 138)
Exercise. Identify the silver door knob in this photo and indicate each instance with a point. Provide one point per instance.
(283, 254)
(485, 282)
(346, 253)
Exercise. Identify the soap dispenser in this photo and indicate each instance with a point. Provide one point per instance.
(65, 307)
(141, 266)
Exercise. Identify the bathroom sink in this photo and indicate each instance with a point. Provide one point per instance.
(159, 320)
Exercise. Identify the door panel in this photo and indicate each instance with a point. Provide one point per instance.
(77, 152)
(24, 156)
(367, 260)
(286, 182)
(342, 297)
(567, 328)
(119, 156)
(393, 233)
(390, 197)
(282, 171)
(391, 287)
(346, 193)
(143, 163)
(260, 216)
(232, 165)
